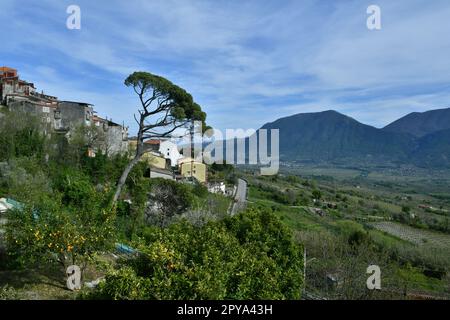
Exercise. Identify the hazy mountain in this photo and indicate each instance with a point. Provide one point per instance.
(331, 136)
(421, 124)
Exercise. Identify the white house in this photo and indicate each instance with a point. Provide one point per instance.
(217, 188)
(169, 150)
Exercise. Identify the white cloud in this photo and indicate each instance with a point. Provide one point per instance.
(245, 62)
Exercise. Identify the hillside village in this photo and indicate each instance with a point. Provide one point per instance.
(58, 116)
(62, 117)
(58, 179)
(234, 154)
(328, 226)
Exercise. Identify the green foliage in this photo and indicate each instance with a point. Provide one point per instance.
(8, 293)
(50, 231)
(76, 188)
(317, 194)
(123, 209)
(222, 172)
(64, 217)
(200, 190)
(169, 198)
(290, 196)
(103, 168)
(249, 256)
(406, 209)
(179, 102)
(138, 188)
(23, 180)
(358, 237)
(122, 284)
(224, 167)
(21, 136)
(293, 179)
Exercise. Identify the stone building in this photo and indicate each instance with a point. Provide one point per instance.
(116, 135)
(72, 114)
(12, 86)
(58, 116)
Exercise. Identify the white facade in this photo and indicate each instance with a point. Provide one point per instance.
(169, 150)
(217, 188)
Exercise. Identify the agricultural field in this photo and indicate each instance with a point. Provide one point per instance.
(414, 235)
(347, 221)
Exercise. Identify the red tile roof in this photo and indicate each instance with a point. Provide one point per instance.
(153, 142)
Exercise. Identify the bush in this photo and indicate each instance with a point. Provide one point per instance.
(8, 293)
(200, 190)
(23, 180)
(49, 231)
(167, 199)
(122, 284)
(21, 136)
(123, 209)
(317, 194)
(357, 238)
(76, 188)
(249, 256)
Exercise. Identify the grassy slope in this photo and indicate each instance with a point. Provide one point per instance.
(361, 202)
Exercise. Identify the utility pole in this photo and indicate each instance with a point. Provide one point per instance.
(304, 270)
(192, 130)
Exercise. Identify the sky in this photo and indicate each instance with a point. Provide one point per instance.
(245, 62)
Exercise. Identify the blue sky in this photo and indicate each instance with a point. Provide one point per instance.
(245, 62)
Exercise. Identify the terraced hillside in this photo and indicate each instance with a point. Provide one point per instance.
(417, 236)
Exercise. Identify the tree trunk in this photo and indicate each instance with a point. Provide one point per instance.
(124, 177)
(139, 152)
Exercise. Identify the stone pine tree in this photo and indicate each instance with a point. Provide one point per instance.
(163, 108)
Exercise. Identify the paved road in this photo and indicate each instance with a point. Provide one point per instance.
(240, 199)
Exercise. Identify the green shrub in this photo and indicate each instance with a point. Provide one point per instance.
(200, 190)
(249, 256)
(8, 293)
(121, 284)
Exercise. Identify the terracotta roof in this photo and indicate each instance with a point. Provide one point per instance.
(153, 142)
(97, 118)
(5, 69)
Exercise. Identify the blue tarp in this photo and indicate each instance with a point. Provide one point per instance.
(122, 248)
(15, 204)
(20, 206)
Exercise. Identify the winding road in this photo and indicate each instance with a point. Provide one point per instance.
(240, 199)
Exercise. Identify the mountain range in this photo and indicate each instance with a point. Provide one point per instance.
(422, 139)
